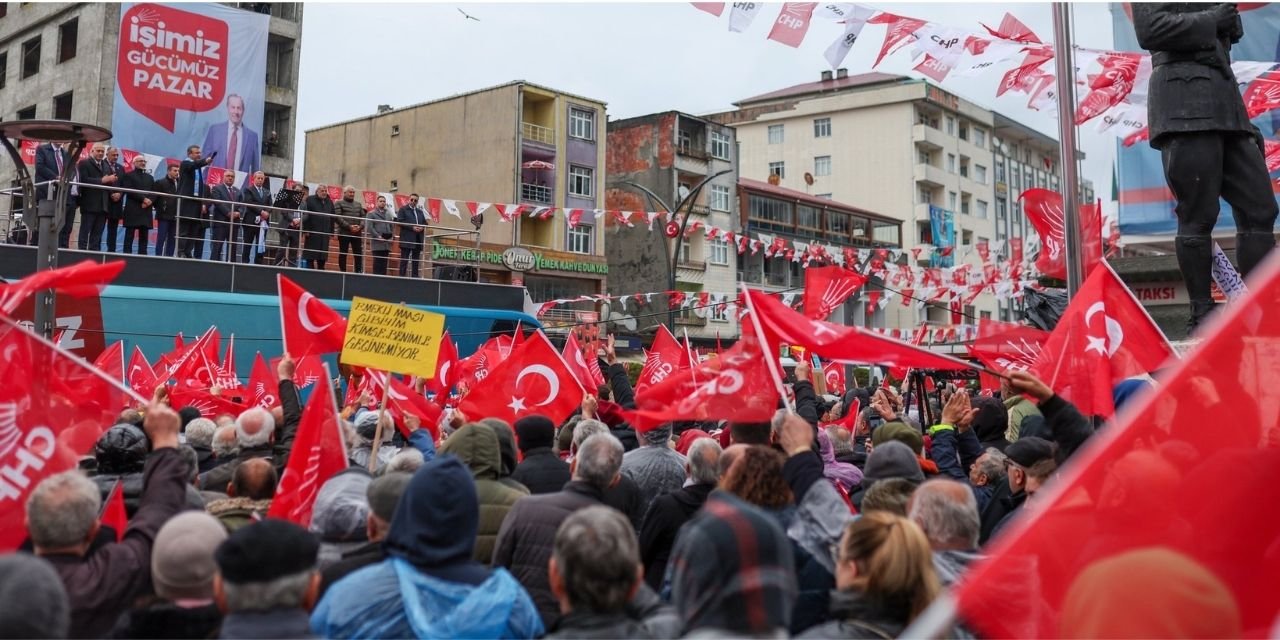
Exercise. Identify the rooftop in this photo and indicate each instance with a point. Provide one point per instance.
(800, 196)
(827, 86)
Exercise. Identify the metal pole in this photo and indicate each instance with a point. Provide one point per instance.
(47, 249)
(1064, 62)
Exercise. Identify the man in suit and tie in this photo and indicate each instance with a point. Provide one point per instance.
(167, 212)
(225, 218)
(192, 214)
(255, 197)
(95, 201)
(413, 227)
(51, 158)
(115, 203)
(233, 141)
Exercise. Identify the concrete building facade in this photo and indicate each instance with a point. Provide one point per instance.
(58, 61)
(670, 153)
(478, 147)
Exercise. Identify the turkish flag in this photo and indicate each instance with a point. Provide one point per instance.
(111, 361)
(113, 513)
(834, 373)
(852, 345)
(1007, 346)
(446, 366)
(264, 388)
(737, 386)
(1045, 211)
(1103, 337)
(79, 280)
(318, 453)
(404, 399)
(826, 288)
(53, 408)
(209, 405)
(534, 380)
(140, 376)
(309, 326)
(663, 358)
(577, 364)
(1135, 538)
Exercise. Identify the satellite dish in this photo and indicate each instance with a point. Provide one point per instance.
(683, 192)
(808, 178)
(625, 321)
(773, 179)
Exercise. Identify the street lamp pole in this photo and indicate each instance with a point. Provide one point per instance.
(48, 217)
(687, 203)
(1064, 62)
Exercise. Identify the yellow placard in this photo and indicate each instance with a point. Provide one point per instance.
(392, 337)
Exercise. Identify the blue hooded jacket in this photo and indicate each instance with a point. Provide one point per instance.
(429, 586)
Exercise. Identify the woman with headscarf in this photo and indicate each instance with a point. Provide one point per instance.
(843, 474)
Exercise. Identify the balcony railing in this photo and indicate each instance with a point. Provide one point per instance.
(537, 133)
(535, 193)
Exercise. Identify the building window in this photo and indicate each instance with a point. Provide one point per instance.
(822, 166)
(4, 67)
(982, 209)
(1002, 210)
(719, 251)
(67, 36)
(822, 127)
(951, 162)
(719, 145)
(951, 126)
(62, 106)
(579, 239)
(719, 197)
(718, 312)
(582, 123)
(1000, 171)
(778, 169)
(580, 181)
(27, 114)
(925, 196)
(951, 200)
(31, 57)
(979, 138)
(775, 134)
(395, 185)
(964, 167)
(279, 62)
(4, 9)
(964, 130)
(964, 205)
(395, 129)
(922, 156)
(979, 174)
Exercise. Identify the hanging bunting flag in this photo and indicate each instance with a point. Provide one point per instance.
(792, 23)
(898, 32)
(743, 14)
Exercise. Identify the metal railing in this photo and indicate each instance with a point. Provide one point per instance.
(282, 242)
(535, 193)
(538, 133)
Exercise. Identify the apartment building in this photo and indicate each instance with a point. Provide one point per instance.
(516, 143)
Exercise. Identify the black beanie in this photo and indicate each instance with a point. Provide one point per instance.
(266, 550)
(533, 432)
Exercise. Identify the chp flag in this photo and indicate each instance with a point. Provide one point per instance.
(53, 408)
(665, 357)
(318, 453)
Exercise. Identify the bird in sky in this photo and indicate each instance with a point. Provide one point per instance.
(467, 15)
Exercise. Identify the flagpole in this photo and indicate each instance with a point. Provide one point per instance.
(377, 431)
(770, 359)
(1064, 63)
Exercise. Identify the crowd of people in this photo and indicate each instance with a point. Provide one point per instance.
(584, 529)
(229, 222)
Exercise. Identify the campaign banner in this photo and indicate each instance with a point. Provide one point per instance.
(1146, 206)
(942, 224)
(192, 74)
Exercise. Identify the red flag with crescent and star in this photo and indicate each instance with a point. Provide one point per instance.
(309, 326)
(834, 373)
(140, 376)
(534, 379)
(318, 453)
(446, 368)
(1103, 337)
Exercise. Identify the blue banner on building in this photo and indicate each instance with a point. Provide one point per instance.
(942, 225)
(1146, 207)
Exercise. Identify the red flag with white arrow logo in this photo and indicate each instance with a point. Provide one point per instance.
(309, 326)
(1103, 337)
(1007, 346)
(663, 359)
(826, 288)
(533, 380)
(318, 453)
(264, 390)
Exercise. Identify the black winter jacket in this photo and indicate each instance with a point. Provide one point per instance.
(666, 515)
(542, 471)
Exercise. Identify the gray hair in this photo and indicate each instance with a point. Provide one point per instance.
(254, 427)
(599, 460)
(192, 460)
(33, 602)
(226, 442)
(992, 464)
(408, 460)
(598, 559)
(585, 429)
(704, 461)
(658, 436)
(286, 592)
(200, 432)
(945, 520)
(62, 510)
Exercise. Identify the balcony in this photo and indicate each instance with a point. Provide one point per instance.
(536, 193)
(930, 175)
(536, 133)
(927, 136)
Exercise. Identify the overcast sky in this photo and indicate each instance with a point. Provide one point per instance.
(638, 58)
